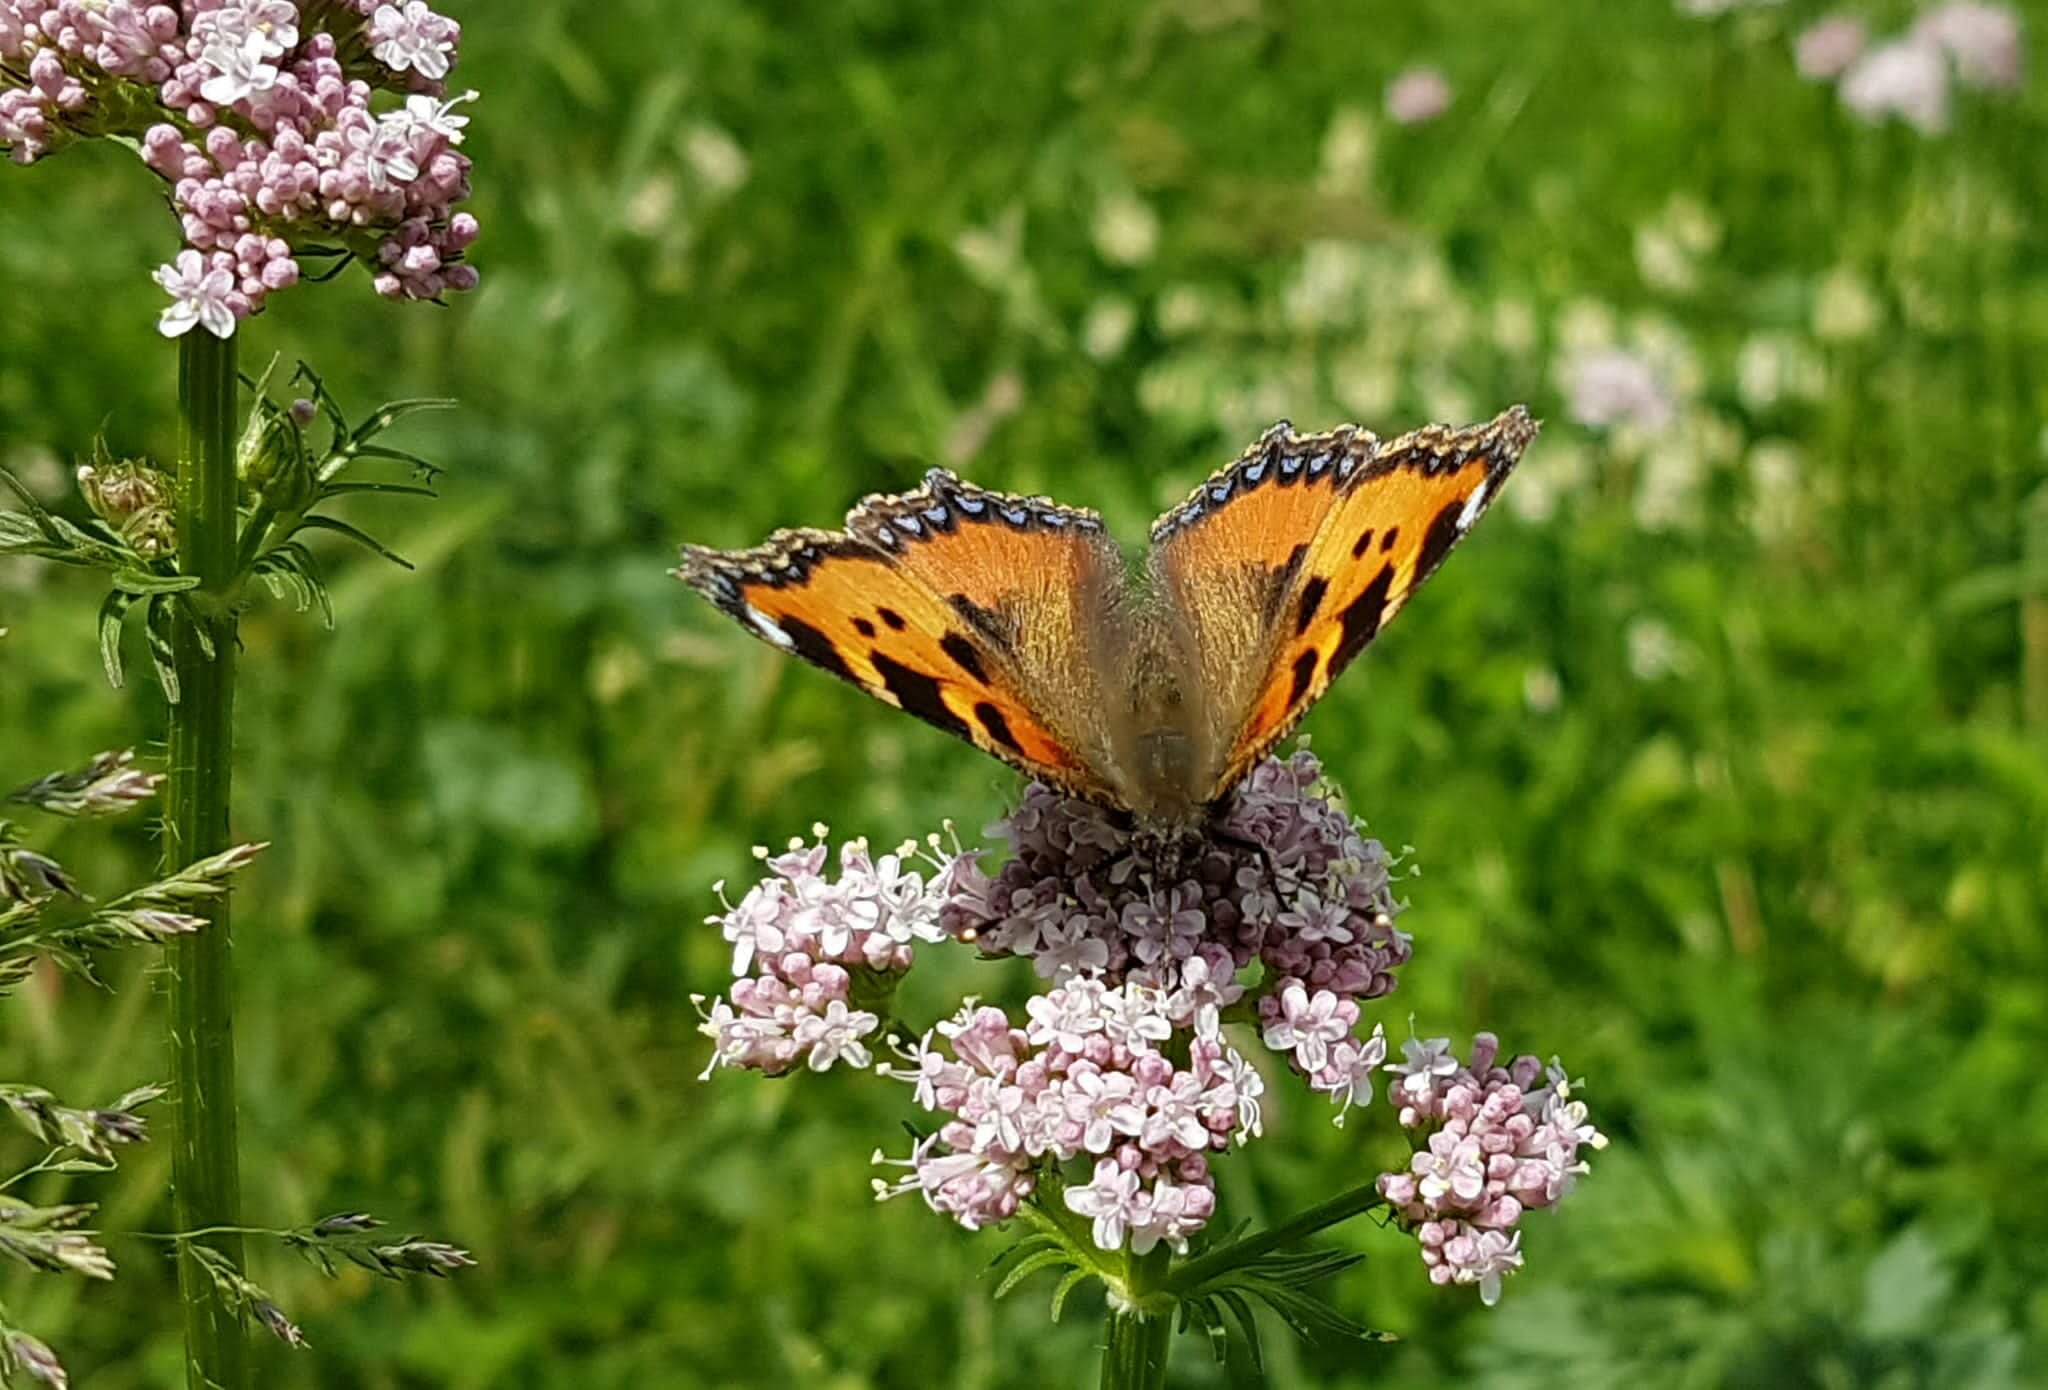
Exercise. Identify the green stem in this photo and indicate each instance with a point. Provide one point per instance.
(205, 1178)
(1341, 1207)
(1140, 1327)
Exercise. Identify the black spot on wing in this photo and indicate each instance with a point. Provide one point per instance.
(1311, 600)
(1387, 541)
(1443, 533)
(891, 617)
(964, 656)
(1304, 675)
(991, 623)
(918, 694)
(815, 647)
(1362, 544)
(864, 627)
(1362, 619)
(1276, 582)
(998, 728)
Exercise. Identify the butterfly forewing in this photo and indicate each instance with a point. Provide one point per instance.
(1229, 559)
(959, 606)
(1385, 514)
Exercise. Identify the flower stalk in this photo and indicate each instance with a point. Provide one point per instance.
(1140, 1327)
(205, 1172)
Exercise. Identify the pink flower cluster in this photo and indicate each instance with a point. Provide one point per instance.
(1118, 1085)
(259, 114)
(1909, 77)
(818, 949)
(1287, 882)
(1086, 1076)
(1496, 1142)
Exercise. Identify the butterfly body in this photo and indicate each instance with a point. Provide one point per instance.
(1012, 621)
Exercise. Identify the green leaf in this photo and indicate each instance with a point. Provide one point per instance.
(405, 489)
(1075, 1278)
(1245, 1359)
(113, 614)
(156, 631)
(392, 412)
(291, 570)
(130, 580)
(354, 533)
(1030, 1265)
(202, 630)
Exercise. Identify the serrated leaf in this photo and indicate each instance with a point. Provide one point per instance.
(113, 616)
(130, 580)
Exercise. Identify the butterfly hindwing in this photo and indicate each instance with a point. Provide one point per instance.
(960, 606)
(1383, 514)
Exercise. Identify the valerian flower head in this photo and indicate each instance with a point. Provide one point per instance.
(1086, 1077)
(1109, 1095)
(283, 129)
(820, 952)
(1493, 1143)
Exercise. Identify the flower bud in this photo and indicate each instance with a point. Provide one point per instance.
(271, 460)
(131, 496)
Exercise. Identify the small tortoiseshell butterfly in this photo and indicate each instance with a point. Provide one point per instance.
(1013, 623)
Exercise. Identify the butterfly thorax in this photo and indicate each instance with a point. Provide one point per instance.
(1159, 756)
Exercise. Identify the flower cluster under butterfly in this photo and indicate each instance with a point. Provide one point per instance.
(1121, 1082)
(1166, 876)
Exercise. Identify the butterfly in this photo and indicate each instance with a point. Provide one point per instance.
(1013, 622)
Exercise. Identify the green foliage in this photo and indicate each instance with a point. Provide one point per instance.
(1724, 750)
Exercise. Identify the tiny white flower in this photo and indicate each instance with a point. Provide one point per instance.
(835, 1035)
(1112, 1199)
(198, 296)
(412, 38)
(240, 67)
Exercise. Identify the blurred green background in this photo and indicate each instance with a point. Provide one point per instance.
(1723, 748)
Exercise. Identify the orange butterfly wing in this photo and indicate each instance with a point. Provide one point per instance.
(963, 607)
(1289, 562)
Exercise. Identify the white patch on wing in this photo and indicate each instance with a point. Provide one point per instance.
(1473, 504)
(766, 626)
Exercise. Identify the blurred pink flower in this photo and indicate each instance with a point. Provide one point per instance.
(1825, 50)
(1983, 41)
(1417, 95)
(1608, 386)
(1905, 78)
